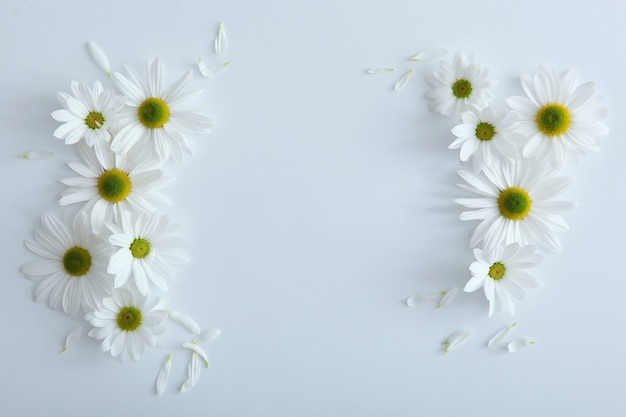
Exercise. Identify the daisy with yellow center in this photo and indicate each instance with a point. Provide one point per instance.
(500, 272)
(155, 117)
(111, 183)
(458, 87)
(559, 120)
(127, 322)
(515, 205)
(72, 272)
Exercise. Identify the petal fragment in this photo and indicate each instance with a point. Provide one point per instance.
(72, 338)
(185, 321)
(430, 54)
(520, 344)
(455, 340)
(99, 58)
(213, 70)
(221, 41)
(498, 337)
(163, 375)
(37, 155)
(399, 85)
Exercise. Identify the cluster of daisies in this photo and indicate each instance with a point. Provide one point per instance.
(104, 263)
(512, 158)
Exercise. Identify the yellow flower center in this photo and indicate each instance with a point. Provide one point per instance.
(77, 261)
(497, 270)
(140, 248)
(514, 203)
(153, 113)
(114, 185)
(462, 88)
(485, 131)
(553, 119)
(129, 318)
(94, 120)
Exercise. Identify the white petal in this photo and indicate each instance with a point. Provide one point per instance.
(448, 297)
(207, 336)
(184, 321)
(72, 338)
(430, 54)
(213, 69)
(456, 339)
(498, 337)
(221, 41)
(37, 155)
(422, 298)
(399, 85)
(193, 373)
(163, 375)
(197, 349)
(375, 71)
(99, 58)
(520, 344)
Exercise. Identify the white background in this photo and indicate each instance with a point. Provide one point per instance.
(320, 202)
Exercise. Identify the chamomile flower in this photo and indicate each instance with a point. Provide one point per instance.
(72, 274)
(456, 87)
(155, 116)
(127, 322)
(89, 114)
(515, 203)
(561, 121)
(500, 272)
(110, 183)
(146, 247)
(486, 137)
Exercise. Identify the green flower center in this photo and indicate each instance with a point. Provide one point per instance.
(153, 113)
(140, 248)
(462, 88)
(94, 120)
(497, 270)
(114, 185)
(553, 119)
(485, 131)
(514, 203)
(77, 261)
(129, 318)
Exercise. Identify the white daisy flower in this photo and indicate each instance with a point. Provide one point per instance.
(456, 87)
(110, 183)
(515, 204)
(500, 272)
(155, 116)
(72, 274)
(486, 137)
(89, 113)
(561, 121)
(146, 247)
(126, 322)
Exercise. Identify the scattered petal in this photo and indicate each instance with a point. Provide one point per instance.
(193, 373)
(207, 336)
(375, 71)
(99, 58)
(456, 339)
(399, 85)
(422, 298)
(430, 54)
(37, 155)
(213, 70)
(197, 349)
(163, 375)
(498, 337)
(447, 297)
(184, 321)
(520, 344)
(72, 338)
(221, 41)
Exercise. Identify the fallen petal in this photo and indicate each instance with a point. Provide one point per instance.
(99, 58)
(163, 375)
(193, 373)
(36, 155)
(197, 349)
(422, 298)
(456, 339)
(498, 337)
(184, 321)
(429, 54)
(221, 41)
(72, 338)
(375, 71)
(213, 69)
(447, 297)
(399, 85)
(207, 336)
(520, 344)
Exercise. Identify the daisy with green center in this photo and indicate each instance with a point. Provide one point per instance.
(155, 116)
(561, 121)
(127, 322)
(456, 87)
(486, 137)
(89, 114)
(110, 183)
(147, 246)
(515, 204)
(500, 272)
(72, 272)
